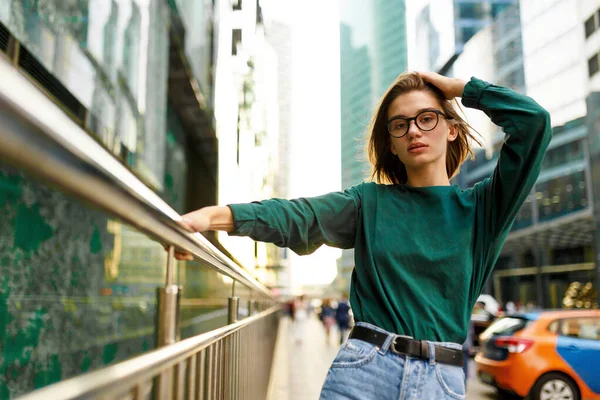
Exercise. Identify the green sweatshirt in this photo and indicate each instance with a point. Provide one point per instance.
(422, 254)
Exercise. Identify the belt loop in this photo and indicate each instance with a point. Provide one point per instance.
(431, 347)
(387, 343)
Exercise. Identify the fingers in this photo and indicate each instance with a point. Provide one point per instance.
(192, 222)
(186, 225)
(179, 255)
(184, 256)
(195, 221)
(437, 80)
(430, 77)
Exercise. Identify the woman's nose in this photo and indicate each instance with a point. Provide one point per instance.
(413, 129)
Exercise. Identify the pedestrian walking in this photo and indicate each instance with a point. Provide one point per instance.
(327, 317)
(423, 247)
(342, 317)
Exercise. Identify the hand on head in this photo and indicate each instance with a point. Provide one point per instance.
(451, 87)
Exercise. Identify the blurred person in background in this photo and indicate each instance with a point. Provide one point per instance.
(510, 307)
(300, 316)
(423, 248)
(327, 317)
(467, 347)
(342, 317)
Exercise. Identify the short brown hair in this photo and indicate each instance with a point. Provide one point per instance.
(387, 167)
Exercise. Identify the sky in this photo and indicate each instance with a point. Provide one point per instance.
(315, 138)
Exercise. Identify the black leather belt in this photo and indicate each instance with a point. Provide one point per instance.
(407, 346)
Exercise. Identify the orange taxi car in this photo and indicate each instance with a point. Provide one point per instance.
(544, 355)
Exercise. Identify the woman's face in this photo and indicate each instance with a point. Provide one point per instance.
(418, 148)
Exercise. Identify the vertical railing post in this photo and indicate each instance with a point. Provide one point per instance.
(168, 321)
(234, 305)
(232, 317)
(251, 307)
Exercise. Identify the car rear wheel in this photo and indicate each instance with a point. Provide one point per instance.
(555, 386)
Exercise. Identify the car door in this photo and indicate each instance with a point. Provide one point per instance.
(579, 345)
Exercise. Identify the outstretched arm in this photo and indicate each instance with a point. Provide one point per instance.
(302, 224)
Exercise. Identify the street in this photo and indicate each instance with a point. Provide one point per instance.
(479, 391)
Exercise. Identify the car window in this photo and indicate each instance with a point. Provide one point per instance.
(582, 328)
(554, 326)
(505, 326)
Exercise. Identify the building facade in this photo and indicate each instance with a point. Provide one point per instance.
(246, 116)
(77, 285)
(443, 27)
(279, 36)
(550, 255)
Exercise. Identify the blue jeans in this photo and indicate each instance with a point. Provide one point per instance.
(363, 371)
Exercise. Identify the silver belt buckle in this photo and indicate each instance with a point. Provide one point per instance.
(393, 344)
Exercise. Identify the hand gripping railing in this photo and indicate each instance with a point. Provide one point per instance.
(36, 136)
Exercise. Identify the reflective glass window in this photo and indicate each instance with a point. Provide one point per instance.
(564, 154)
(472, 10)
(593, 65)
(78, 287)
(590, 26)
(99, 55)
(561, 196)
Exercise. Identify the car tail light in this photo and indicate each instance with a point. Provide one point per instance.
(513, 344)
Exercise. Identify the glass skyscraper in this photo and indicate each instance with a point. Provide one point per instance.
(373, 54)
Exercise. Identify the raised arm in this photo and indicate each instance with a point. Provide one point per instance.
(528, 130)
(302, 224)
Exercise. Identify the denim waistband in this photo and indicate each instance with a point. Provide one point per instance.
(391, 336)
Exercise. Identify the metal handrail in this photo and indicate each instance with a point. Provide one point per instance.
(37, 136)
(117, 379)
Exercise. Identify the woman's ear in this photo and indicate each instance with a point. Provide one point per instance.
(453, 133)
(393, 149)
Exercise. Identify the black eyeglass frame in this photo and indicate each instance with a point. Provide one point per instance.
(433, 110)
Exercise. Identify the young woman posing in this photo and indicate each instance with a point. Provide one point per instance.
(423, 248)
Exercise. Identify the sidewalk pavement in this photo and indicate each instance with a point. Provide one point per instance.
(299, 369)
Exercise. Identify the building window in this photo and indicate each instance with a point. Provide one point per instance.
(471, 11)
(237, 4)
(236, 39)
(498, 8)
(593, 65)
(561, 196)
(565, 154)
(590, 26)
(468, 32)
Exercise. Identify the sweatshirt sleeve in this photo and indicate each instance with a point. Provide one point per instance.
(528, 133)
(302, 224)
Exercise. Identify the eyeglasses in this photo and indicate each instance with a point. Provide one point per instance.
(426, 120)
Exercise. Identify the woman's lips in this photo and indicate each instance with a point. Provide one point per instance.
(417, 149)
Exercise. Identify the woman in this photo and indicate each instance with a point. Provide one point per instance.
(342, 317)
(423, 248)
(327, 317)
